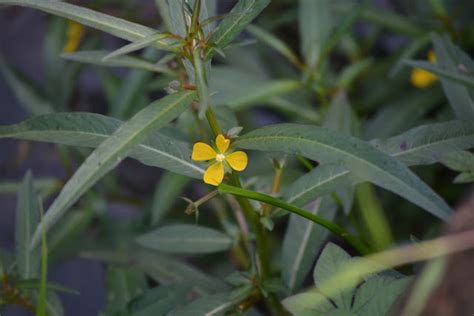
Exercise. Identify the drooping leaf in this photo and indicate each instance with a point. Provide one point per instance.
(96, 57)
(159, 301)
(243, 13)
(90, 130)
(27, 218)
(302, 242)
(112, 151)
(333, 259)
(363, 160)
(110, 24)
(183, 238)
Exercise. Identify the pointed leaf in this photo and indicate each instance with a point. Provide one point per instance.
(207, 306)
(363, 160)
(107, 23)
(90, 130)
(112, 151)
(182, 238)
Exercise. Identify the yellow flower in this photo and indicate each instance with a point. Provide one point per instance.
(220, 158)
(74, 34)
(421, 78)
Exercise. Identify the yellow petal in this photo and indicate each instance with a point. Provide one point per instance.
(222, 143)
(214, 174)
(237, 160)
(432, 57)
(421, 78)
(203, 152)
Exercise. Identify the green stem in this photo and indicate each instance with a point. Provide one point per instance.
(336, 229)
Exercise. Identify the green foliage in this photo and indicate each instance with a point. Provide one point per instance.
(351, 127)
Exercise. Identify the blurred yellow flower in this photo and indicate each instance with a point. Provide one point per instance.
(74, 34)
(421, 78)
(220, 158)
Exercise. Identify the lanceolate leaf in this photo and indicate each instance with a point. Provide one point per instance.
(186, 239)
(90, 130)
(112, 25)
(112, 151)
(96, 57)
(27, 218)
(422, 145)
(209, 305)
(302, 243)
(363, 160)
(244, 12)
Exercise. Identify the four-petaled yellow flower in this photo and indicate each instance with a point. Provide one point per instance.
(221, 158)
(421, 78)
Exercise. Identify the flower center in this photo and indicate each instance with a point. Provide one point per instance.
(220, 157)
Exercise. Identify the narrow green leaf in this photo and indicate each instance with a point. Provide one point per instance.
(363, 160)
(168, 188)
(27, 218)
(450, 58)
(123, 284)
(302, 242)
(109, 24)
(182, 238)
(409, 52)
(216, 304)
(112, 151)
(315, 25)
(422, 145)
(156, 38)
(201, 83)
(162, 268)
(97, 57)
(159, 301)
(243, 13)
(24, 90)
(90, 130)
(274, 42)
(42, 293)
(44, 187)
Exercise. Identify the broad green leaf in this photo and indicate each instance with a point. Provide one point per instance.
(208, 305)
(378, 294)
(315, 25)
(308, 304)
(243, 13)
(109, 24)
(142, 43)
(123, 284)
(96, 57)
(24, 90)
(167, 190)
(333, 259)
(302, 242)
(90, 130)
(27, 219)
(363, 160)
(112, 151)
(159, 301)
(183, 238)
(161, 268)
(450, 58)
